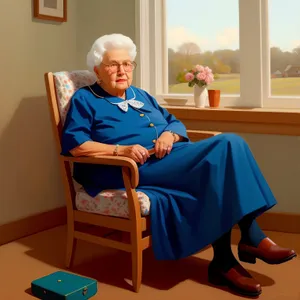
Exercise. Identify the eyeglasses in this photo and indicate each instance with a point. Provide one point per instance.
(128, 66)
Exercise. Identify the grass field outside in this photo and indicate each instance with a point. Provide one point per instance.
(230, 84)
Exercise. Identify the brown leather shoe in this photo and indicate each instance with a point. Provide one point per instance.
(237, 279)
(267, 251)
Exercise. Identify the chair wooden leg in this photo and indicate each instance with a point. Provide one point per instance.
(71, 245)
(137, 265)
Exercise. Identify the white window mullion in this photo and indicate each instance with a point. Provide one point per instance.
(158, 49)
(154, 44)
(165, 81)
(251, 65)
(160, 57)
(142, 36)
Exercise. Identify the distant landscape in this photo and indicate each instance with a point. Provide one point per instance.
(284, 72)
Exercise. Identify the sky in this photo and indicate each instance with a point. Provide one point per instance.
(214, 24)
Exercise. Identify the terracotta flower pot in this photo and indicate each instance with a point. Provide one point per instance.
(214, 98)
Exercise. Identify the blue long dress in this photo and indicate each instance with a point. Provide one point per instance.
(198, 192)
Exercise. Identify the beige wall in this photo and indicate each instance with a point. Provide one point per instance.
(29, 177)
(101, 17)
(279, 160)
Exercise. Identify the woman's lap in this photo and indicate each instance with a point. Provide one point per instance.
(210, 184)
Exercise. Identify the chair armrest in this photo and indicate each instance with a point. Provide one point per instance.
(201, 134)
(109, 160)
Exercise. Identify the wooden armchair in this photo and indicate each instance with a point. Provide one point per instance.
(133, 219)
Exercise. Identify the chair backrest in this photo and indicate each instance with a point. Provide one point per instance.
(60, 88)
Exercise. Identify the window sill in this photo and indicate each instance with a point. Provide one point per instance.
(239, 120)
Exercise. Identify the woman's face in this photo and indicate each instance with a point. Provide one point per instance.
(115, 71)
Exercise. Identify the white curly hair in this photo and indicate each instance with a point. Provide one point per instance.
(106, 43)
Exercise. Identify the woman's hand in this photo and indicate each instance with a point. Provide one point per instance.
(164, 144)
(137, 152)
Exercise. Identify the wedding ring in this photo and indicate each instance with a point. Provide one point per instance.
(143, 153)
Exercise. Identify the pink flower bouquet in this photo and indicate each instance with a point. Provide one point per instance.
(202, 76)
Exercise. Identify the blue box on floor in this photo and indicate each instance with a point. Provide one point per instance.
(63, 285)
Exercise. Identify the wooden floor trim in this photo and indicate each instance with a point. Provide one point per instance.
(282, 222)
(32, 224)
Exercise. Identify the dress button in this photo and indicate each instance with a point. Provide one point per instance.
(151, 124)
(154, 141)
(141, 115)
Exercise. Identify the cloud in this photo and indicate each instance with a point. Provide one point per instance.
(179, 35)
(227, 38)
(295, 44)
(286, 47)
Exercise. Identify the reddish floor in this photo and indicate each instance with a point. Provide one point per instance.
(43, 253)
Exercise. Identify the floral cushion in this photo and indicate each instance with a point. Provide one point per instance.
(67, 83)
(110, 203)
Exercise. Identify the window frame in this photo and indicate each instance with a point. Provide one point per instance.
(255, 81)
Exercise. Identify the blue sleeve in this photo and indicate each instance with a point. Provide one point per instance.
(78, 124)
(173, 124)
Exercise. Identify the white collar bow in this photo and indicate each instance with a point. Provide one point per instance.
(124, 104)
(132, 102)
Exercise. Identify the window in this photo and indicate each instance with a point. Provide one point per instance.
(208, 37)
(171, 36)
(284, 24)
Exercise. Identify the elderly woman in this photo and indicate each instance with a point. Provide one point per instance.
(198, 191)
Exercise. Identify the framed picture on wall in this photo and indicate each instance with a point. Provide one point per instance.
(52, 10)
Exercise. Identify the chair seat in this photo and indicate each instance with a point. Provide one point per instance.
(110, 203)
